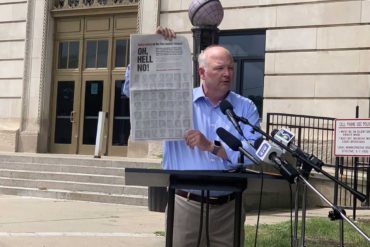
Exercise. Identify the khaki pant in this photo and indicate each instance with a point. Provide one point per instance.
(221, 224)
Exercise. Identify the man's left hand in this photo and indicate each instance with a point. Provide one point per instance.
(195, 138)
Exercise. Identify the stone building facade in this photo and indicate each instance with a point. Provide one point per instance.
(314, 59)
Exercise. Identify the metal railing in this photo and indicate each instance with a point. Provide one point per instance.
(315, 135)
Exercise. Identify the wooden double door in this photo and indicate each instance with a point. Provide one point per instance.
(91, 55)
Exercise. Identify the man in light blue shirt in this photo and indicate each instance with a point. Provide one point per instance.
(196, 152)
(201, 149)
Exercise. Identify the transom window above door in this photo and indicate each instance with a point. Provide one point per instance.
(68, 54)
(96, 54)
(122, 53)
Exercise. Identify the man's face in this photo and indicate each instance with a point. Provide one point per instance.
(218, 73)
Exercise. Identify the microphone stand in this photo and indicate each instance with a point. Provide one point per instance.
(315, 163)
(236, 145)
(305, 171)
(337, 213)
(240, 162)
(311, 161)
(296, 214)
(237, 221)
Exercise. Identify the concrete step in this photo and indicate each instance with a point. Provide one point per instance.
(62, 176)
(80, 160)
(73, 177)
(81, 196)
(63, 168)
(73, 186)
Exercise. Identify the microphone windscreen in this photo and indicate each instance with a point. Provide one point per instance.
(225, 105)
(273, 132)
(258, 142)
(233, 142)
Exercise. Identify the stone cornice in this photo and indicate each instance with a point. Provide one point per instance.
(61, 8)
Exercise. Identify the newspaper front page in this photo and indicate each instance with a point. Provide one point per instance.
(160, 87)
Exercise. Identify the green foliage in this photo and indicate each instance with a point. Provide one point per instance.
(319, 232)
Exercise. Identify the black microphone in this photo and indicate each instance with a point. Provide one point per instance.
(285, 169)
(258, 142)
(228, 110)
(234, 143)
(286, 137)
(269, 153)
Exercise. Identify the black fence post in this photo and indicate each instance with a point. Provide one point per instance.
(336, 185)
(367, 202)
(355, 178)
(355, 183)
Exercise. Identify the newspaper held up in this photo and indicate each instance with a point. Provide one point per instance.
(160, 87)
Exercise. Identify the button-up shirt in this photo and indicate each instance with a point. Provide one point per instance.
(207, 119)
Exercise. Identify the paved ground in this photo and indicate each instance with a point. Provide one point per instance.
(37, 222)
(41, 222)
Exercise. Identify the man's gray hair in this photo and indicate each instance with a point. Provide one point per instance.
(202, 57)
(202, 61)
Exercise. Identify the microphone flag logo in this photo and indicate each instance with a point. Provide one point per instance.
(263, 150)
(284, 136)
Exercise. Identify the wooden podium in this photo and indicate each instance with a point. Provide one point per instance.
(193, 179)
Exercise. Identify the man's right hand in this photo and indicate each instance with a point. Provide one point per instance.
(167, 33)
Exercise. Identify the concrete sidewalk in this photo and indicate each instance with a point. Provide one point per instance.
(35, 222)
(38, 222)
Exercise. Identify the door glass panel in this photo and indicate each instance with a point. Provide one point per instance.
(68, 54)
(121, 118)
(64, 107)
(93, 104)
(121, 53)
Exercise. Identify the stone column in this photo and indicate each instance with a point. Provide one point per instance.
(34, 97)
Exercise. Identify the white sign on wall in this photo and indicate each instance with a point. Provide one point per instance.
(352, 137)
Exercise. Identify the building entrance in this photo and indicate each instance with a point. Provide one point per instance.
(91, 55)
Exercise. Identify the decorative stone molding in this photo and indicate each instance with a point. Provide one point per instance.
(45, 23)
(148, 17)
(27, 67)
(45, 79)
(79, 4)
